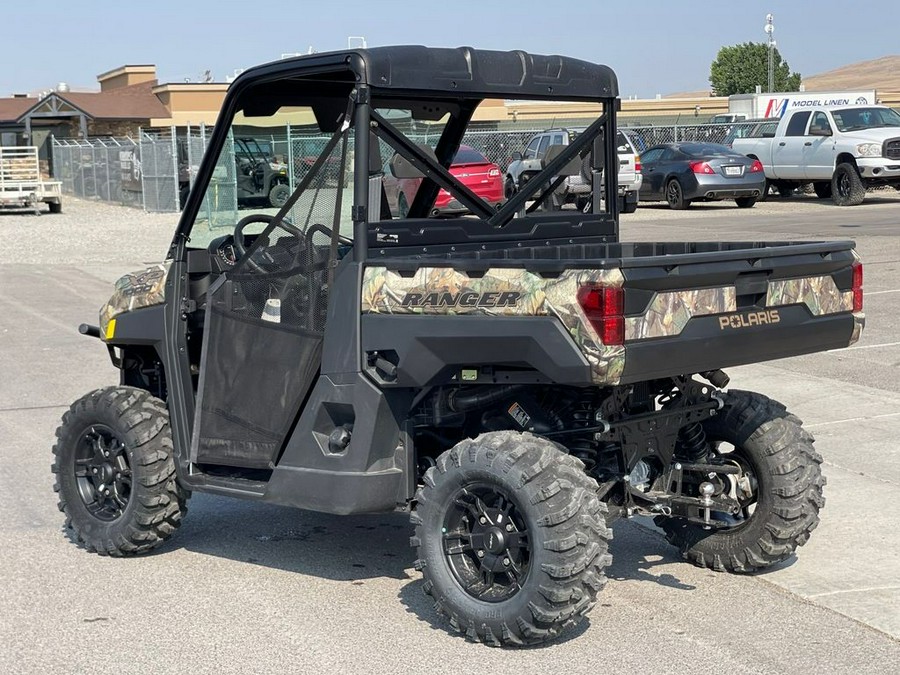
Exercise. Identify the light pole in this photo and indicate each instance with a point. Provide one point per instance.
(770, 29)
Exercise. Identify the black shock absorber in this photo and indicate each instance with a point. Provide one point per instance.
(692, 443)
(584, 447)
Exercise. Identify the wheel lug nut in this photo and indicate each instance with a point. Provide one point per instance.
(509, 527)
(506, 561)
(480, 554)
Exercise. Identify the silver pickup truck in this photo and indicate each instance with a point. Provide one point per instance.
(841, 151)
(576, 189)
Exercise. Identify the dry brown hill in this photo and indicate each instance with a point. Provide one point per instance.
(882, 74)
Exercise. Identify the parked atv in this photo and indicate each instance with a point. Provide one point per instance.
(259, 175)
(515, 378)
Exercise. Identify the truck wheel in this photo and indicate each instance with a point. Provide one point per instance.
(822, 189)
(745, 202)
(115, 472)
(278, 195)
(509, 188)
(780, 488)
(675, 196)
(630, 207)
(785, 190)
(511, 538)
(847, 188)
(55, 207)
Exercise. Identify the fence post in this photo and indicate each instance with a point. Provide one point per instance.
(177, 190)
(290, 159)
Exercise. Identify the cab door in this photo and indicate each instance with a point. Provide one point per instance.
(818, 150)
(787, 155)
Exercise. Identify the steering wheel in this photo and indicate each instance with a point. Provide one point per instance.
(240, 245)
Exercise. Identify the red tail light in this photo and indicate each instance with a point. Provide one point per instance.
(756, 167)
(701, 167)
(637, 163)
(857, 286)
(604, 307)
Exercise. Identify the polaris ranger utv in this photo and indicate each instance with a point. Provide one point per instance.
(516, 378)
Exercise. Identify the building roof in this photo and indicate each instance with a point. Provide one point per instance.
(11, 109)
(136, 102)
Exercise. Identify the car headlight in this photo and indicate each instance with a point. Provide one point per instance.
(869, 149)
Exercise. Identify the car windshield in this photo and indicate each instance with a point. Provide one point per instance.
(698, 150)
(853, 119)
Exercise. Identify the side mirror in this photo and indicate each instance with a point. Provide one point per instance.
(820, 131)
(517, 156)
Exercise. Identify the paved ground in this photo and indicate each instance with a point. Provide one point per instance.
(247, 588)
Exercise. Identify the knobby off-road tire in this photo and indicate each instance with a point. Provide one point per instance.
(146, 504)
(278, 195)
(847, 188)
(789, 493)
(550, 499)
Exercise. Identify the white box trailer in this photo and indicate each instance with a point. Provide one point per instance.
(21, 184)
(753, 106)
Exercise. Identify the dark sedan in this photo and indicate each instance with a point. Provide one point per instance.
(681, 173)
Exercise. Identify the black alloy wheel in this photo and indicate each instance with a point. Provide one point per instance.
(486, 543)
(102, 472)
(675, 195)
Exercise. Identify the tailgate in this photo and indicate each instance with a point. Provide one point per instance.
(701, 312)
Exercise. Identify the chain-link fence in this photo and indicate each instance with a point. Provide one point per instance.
(107, 169)
(158, 169)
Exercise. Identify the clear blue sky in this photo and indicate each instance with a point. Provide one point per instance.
(655, 46)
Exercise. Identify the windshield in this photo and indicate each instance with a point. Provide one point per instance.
(263, 159)
(853, 119)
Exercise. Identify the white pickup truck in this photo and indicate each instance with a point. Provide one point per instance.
(842, 151)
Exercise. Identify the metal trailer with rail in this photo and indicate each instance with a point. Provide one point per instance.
(21, 183)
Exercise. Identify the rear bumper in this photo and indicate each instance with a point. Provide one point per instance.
(705, 345)
(715, 187)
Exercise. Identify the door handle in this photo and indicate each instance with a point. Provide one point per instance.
(781, 144)
(808, 143)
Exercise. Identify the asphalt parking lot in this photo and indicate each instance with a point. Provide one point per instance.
(250, 588)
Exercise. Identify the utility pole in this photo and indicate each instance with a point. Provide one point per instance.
(770, 30)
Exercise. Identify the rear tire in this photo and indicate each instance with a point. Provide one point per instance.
(822, 189)
(745, 202)
(509, 188)
(675, 196)
(115, 472)
(847, 188)
(789, 496)
(511, 538)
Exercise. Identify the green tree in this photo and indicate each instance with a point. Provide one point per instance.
(738, 69)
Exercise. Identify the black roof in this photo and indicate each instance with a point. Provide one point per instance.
(463, 71)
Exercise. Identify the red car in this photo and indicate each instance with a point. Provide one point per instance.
(472, 169)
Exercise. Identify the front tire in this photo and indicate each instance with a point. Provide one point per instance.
(675, 196)
(279, 195)
(779, 457)
(847, 188)
(511, 538)
(115, 472)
